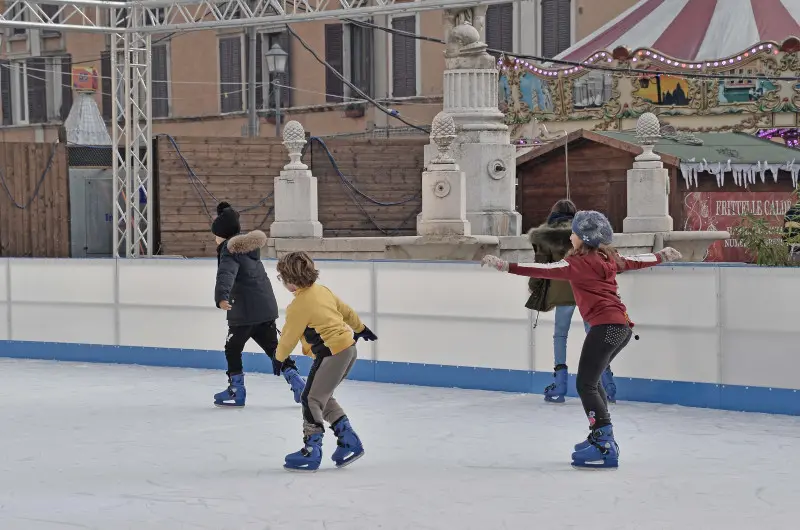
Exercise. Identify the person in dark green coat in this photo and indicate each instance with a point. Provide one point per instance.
(551, 243)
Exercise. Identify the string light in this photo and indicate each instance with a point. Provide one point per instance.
(638, 56)
(789, 135)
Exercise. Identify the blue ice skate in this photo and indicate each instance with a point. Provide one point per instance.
(601, 452)
(308, 458)
(234, 395)
(607, 380)
(349, 448)
(298, 385)
(555, 392)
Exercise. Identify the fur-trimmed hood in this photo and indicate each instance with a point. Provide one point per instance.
(552, 239)
(246, 243)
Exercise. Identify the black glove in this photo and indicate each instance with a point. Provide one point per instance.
(276, 366)
(365, 334)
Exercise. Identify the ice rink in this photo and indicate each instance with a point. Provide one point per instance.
(126, 447)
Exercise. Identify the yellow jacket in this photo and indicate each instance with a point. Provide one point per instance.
(318, 319)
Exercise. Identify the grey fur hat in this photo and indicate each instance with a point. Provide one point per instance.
(593, 228)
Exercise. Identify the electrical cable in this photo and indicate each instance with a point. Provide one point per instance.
(352, 190)
(389, 112)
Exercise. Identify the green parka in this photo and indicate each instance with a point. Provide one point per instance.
(551, 243)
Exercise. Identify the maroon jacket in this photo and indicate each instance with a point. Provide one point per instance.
(594, 282)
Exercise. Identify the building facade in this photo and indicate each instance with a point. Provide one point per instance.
(200, 79)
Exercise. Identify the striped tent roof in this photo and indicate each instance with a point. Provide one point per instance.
(693, 30)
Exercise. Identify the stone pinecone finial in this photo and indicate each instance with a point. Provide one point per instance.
(294, 139)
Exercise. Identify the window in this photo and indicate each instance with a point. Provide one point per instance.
(404, 58)
(556, 16)
(361, 57)
(500, 28)
(159, 72)
(348, 48)
(334, 56)
(36, 90)
(160, 87)
(231, 78)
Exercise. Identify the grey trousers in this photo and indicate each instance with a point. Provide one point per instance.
(318, 402)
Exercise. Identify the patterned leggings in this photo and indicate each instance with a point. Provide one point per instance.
(602, 344)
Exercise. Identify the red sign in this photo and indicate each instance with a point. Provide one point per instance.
(721, 210)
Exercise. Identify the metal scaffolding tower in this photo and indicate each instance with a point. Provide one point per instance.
(130, 25)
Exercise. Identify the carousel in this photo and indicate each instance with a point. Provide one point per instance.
(701, 66)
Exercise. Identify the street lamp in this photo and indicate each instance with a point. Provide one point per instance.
(276, 65)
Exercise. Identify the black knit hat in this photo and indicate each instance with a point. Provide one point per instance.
(226, 225)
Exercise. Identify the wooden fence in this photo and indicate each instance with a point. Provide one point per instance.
(241, 171)
(34, 200)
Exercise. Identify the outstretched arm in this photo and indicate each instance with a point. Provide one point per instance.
(566, 269)
(643, 261)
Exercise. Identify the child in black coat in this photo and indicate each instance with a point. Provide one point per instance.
(243, 290)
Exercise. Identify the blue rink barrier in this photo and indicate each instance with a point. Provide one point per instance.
(691, 394)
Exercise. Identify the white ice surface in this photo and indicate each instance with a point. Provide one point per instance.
(126, 447)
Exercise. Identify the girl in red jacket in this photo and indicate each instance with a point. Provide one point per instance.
(591, 267)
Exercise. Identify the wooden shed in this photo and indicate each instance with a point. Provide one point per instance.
(714, 177)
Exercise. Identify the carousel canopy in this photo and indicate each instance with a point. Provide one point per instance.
(693, 30)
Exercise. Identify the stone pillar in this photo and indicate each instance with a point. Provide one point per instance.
(648, 184)
(295, 193)
(444, 198)
(483, 148)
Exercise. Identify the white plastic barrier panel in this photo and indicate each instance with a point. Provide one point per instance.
(727, 325)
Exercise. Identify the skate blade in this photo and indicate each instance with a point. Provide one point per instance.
(561, 399)
(300, 470)
(228, 406)
(350, 460)
(600, 466)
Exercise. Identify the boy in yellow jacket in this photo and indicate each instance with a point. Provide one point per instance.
(328, 330)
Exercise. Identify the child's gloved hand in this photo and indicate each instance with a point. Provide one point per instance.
(365, 334)
(276, 366)
(669, 254)
(494, 262)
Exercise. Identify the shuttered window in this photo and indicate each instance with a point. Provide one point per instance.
(556, 26)
(500, 28)
(284, 40)
(105, 84)
(361, 39)
(334, 56)
(404, 58)
(66, 87)
(37, 90)
(159, 70)
(5, 91)
(230, 75)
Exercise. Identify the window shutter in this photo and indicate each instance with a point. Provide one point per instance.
(361, 57)
(160, 78)
(230, 74)
(66, 87)
(259, 70)
(500, 28)
(334, 56)
(37, 90)
(564, 25)
(5, 91)
(285, 42)
(105, 84)
(556, 26)
(404, 58)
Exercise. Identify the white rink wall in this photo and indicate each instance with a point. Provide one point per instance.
(714, 336)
